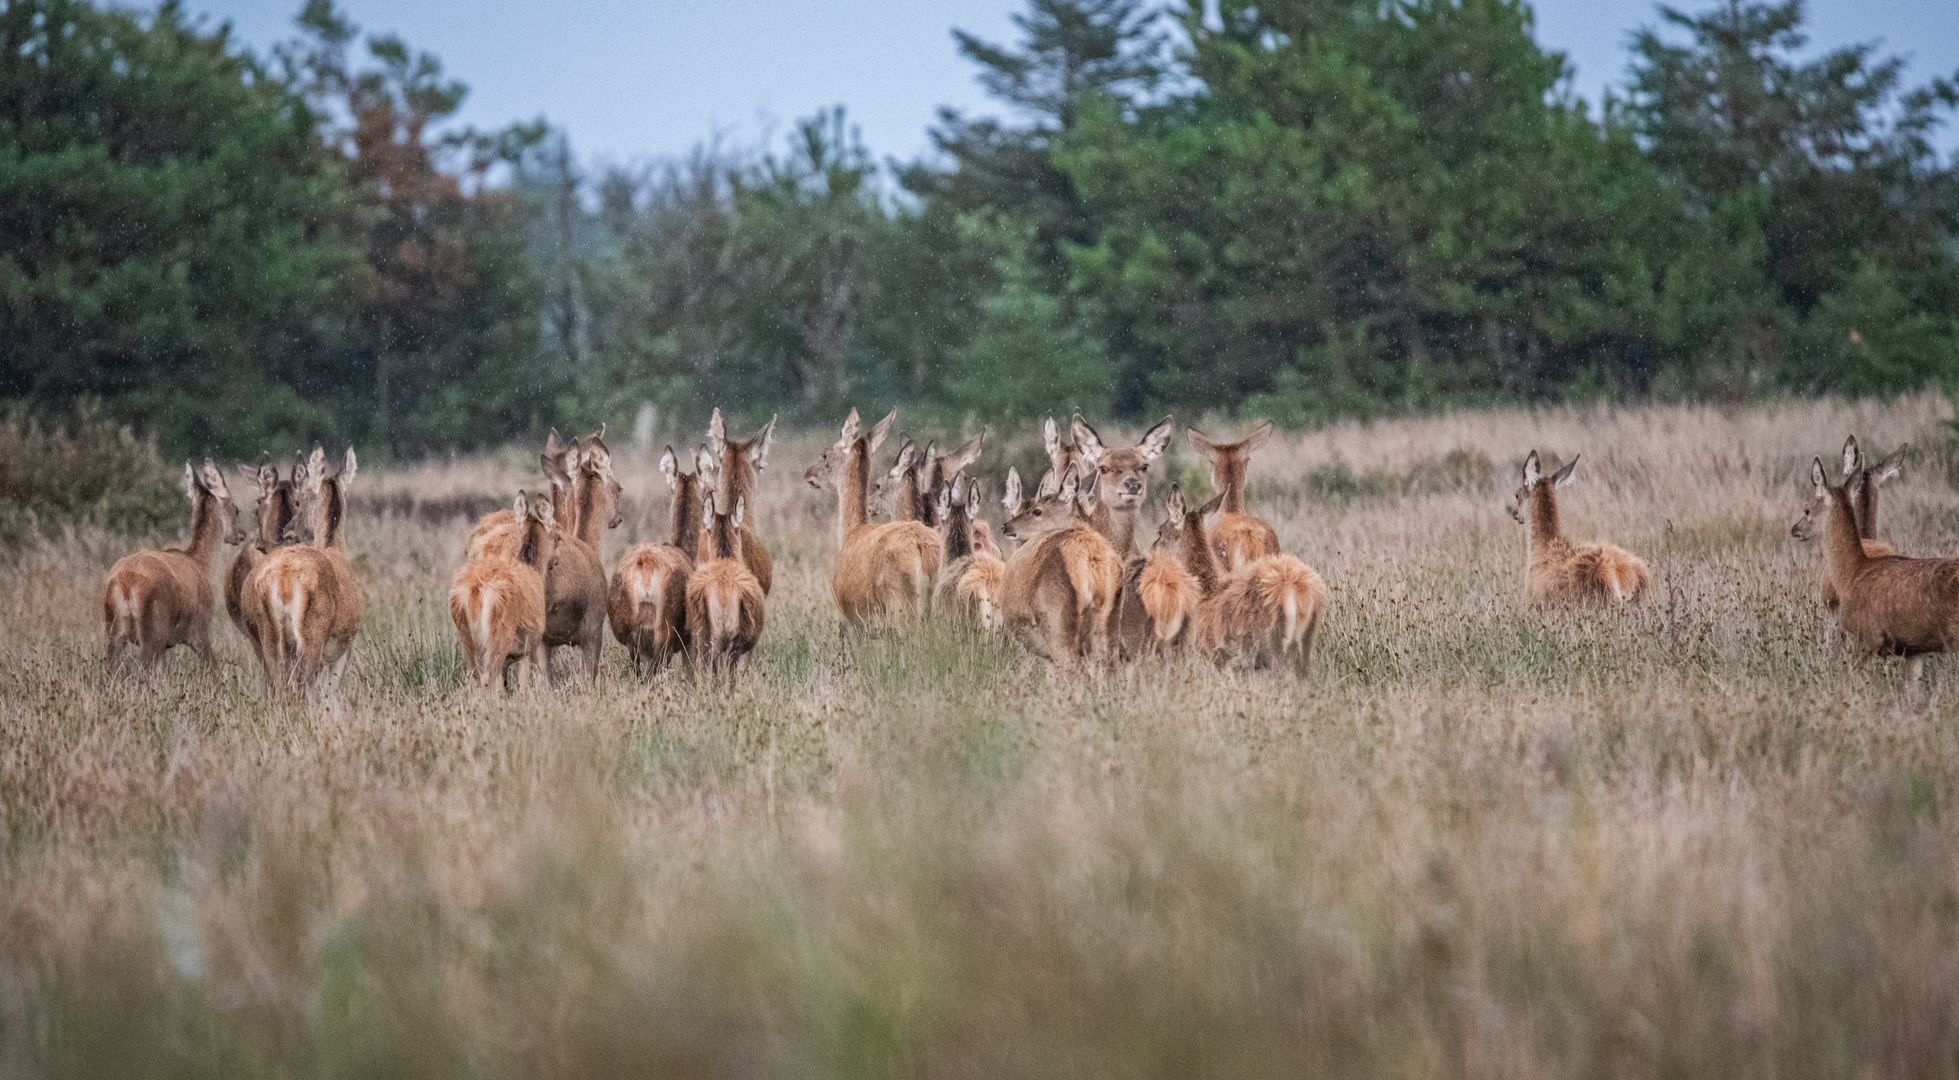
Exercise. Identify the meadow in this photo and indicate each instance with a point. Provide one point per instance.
(1686, 839)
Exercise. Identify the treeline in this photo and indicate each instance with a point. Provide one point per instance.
(1303, 208)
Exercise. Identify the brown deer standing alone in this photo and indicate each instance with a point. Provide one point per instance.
(1557, 571)
(883, 571)
(307, 600)
(1059, 590)
(1862, 484)
(1239, 536)
(497, 603)
(647, 603)
(724, 601)
(156, 599)
(733, 481)
(1890, 605)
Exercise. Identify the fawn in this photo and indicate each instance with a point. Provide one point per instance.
(733, 480)
(648, 599)
(969, 579)
(276, 505)
(724, 601)
(1862, 484)
(1240, 537)
(1059, 589)
(1557, 571)
(307, 601)
(156, 599)
(1890, 605)
(497, 603)
(883, 571)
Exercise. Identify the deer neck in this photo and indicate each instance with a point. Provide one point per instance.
(274, 514)
(737, 478)
(1231, 483)
(853, 512)
(958, 536)
(1846, 548)
(532, 554)
(1543, 515)
(590, 491)
(727, 540)
(1117, 526)
(203, 529)
(1866, 506)
(333, 512)
(686, 531)
(909, 505)
(1195, 548)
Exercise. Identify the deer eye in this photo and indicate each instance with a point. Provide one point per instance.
(1037, 513)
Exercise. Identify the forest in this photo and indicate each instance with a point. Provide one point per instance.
(1300, 209)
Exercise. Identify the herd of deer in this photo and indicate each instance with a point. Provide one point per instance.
(1077, 587)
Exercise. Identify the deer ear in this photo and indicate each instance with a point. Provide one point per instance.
(191, 485)
(348, 469)
(1531, 472)
(542, 510)
(1051, 438)
(1086, 439)
(1209, 511)
(944, 502)
(1050, 483)
(554, 470)
(214, 480)
(520, 508)
(1852, 457)
(1816, 478)
(883, 428)
(973, 500)
(316, 468)
(905, 453)
(1174, 505)
(758, 451)
(717, 432)
(1564, 475)
(704, 462)
(741, 505)
(1157, 438)
(1890, 465)
(1256, 441)
(851, 426)
(1068, 488)
(553, 445)
(707, 510)
(669, 467)
(1203, 445)
(1011, 500)
(967, 453)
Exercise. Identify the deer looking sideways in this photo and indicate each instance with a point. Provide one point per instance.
(1240, 537)
(1262, 615)
(497, 601)
(305, 601)
(969, 578)
(724, 600)
(1557, 571)
(883, 571)
(1862, 484)
(156, 599)
(1059, 589)
(1889, 605)
(647, 603)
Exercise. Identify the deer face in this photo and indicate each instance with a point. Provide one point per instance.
(1521, 505)
(1121, 477)
(1052, 509)
(227, 510)
(1816, 509)
(828, 473)
(885, 494)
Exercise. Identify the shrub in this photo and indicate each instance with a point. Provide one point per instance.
(86, 471)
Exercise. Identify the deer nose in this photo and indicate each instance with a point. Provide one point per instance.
(1134, 487)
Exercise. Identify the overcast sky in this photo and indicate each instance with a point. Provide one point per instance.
(633, 80)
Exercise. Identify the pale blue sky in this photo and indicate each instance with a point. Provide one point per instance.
(634, 81)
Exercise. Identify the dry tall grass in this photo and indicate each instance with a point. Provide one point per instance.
(1682, 840)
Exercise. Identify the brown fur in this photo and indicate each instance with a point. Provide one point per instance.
(1561, 573)
(983, 542)
(557, 463)
(1891, 605)
(724, 601)
(733, 481)
(1239, 537)
(1862, 484)
(1059, 589)
(883, 572)
(1263, 615)
(497, 603)
(156, 599)
(1166, 590)
(277, 504)
(307, 600)
(968, 577)
(647, 603)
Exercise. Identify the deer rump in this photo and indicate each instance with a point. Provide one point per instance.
(886, 570)
(498, 608)
(153, 601)
(724, 612)
(969, 587)
(1168, 595)
(1586, 573)
(307, 610)
(1264, 614)
(1059, 591)
(647, 605)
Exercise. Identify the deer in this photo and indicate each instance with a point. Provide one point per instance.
(647, 604)
(725, 606)
(983, 542)
(969, 579)
(306, 599)
(1059, 589)
(1557, 571)
(736, 463)
(902, 491)
(497, 603)
(1166, 589)
(1117, 481)
(1263, 614)
(156, 599)
(883, 571)
(276, 505)
(1862, 483)
(1889, 604)
(1240, 536)
(557, 463)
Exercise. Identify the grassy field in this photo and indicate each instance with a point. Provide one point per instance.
(1681, 840)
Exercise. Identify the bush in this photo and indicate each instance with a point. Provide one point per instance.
(88, 471)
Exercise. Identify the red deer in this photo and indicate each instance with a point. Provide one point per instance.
(1167, 591)
(277, 503)
(883, 571)
(1059, 589)
(648, 601)
(557, 464)
(1240, 537)
(901, 491)
(156, 599)
(969, 579)
(1557, 571)
(724, 601)
(1261, 615)
(307, 601)
(497, 603)
(1862, 484)
(1890, 605)
(735, 466)
(1117, 482)
(983, 542)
